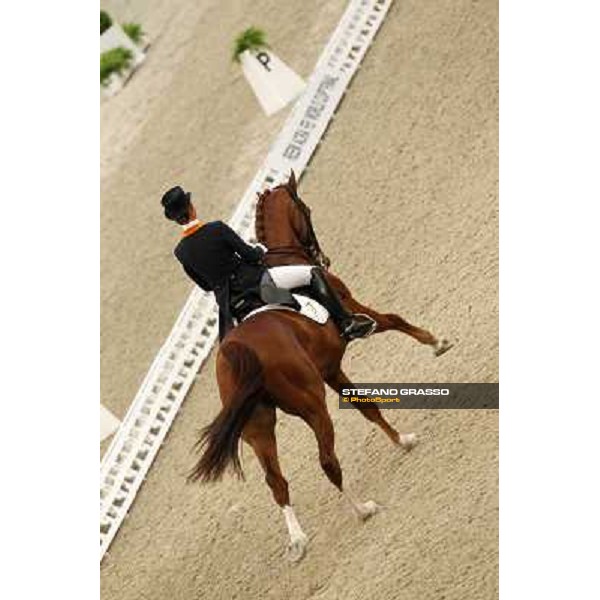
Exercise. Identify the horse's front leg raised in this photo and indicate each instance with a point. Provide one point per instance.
(389, 321)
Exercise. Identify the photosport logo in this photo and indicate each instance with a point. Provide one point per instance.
(422, 395)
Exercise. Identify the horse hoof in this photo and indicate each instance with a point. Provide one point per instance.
(408, 440)
(367, 509)
(442, 347)
(297, 549)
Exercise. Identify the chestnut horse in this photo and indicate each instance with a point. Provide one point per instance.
(281, 359)
(284, 226)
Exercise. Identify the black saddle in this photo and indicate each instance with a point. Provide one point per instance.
(252, 288)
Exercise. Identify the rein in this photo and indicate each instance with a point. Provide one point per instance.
(314, 250)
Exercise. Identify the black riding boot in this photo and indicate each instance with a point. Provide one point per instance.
(351, 326)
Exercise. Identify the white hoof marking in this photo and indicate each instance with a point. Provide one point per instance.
(441, 347)
(408, 440)
(298, 539)
(297, 549)
(365, 510)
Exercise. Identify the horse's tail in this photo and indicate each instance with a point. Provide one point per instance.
(219, 441)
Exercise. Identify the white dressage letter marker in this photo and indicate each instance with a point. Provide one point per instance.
(108, 423)
(115, 37)
(273, 82)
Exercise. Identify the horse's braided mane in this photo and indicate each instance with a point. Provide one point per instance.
(259, 218)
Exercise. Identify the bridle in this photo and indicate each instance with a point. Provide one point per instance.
(313, 250)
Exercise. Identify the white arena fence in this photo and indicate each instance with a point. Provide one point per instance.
(143, 429)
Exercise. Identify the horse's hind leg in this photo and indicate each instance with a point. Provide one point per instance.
(320, 422)
(389, 321)
(372, 413)
(313, 411)
(259, 432)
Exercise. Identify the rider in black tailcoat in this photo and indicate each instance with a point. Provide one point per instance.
(218, 260)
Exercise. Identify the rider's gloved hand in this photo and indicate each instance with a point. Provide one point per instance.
(261, 251)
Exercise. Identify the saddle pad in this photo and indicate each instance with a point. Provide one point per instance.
(308, 307)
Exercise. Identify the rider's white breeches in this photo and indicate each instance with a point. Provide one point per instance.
(291, 276)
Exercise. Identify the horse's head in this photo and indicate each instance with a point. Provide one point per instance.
(284, 226)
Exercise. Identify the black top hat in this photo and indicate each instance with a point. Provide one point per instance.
(176, 203)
